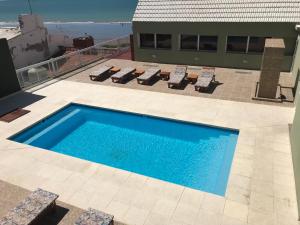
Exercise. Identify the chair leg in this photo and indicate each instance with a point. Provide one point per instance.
(53, 208)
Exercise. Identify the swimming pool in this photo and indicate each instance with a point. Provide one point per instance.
(187, 154)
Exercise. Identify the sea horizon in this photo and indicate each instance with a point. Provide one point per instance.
(64, 11)
(100, 31)
(100, 19)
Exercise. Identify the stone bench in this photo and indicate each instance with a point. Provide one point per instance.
(94, 217)
(31, 209)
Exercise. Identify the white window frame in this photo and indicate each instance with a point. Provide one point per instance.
(247, 47)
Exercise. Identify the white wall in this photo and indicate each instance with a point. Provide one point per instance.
(31, 46)
(57, 40)
(34, 44)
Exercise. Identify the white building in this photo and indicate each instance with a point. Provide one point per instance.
(30, 43)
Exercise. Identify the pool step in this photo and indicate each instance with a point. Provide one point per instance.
(52, 126)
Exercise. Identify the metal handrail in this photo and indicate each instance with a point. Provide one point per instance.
(58, 66)
(73, 53)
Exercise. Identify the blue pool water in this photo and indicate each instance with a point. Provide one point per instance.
(188, 154)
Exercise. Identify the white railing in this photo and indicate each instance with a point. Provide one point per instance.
(38, 73)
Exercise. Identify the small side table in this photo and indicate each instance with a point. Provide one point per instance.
(115, 69)
(192, 77)
(139, 72)
(164, 75)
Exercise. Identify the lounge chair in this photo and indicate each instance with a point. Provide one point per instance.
(95, 75)
(177, 76)
(204, 81)
(93, 216)
(122, 75)
(148, 75)
(31, 209)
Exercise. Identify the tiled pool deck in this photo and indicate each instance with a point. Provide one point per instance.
(261, 187)
(232, 84)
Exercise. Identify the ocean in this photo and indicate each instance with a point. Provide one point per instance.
(103, 19)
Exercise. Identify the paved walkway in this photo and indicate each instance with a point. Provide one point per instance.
(232, 84)
(261, 188)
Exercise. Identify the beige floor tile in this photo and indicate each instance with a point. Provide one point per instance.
(245, 149)
(135, 181)
(262, 202)
(286, 220)
(165, 207)
(126, 195)
(145, 200)
(154, 186)
(262, 187)
(241, 169)
(175, 222)
(135, 216)
(192, 197)
(205, 217)
(117, 209)
(283, 179)
(100, 202)
(236, 210)
(238, 195)
(172, 191)
(82, 198)
(265, 174)
(284, 170)
(283, 159)
(258, 217)
(239, 181)
(106, 189)
(213, 203)
(156, 219)
(285, 192)
(286, 207)
(185, 214)
(231, 221)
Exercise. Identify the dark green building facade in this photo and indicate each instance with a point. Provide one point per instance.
(227, 34)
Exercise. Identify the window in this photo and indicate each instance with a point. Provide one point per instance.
(164, 41)
(147, 41)
(237, 44)
(189, 42)
(256, 44)
(208, 43)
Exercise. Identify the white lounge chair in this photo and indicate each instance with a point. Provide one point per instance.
(122, 75)
(177, 76)
(205, 80)
(148, 75)
(99, 72)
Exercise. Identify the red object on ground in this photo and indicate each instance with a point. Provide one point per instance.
(83, 42)
(13, 115)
